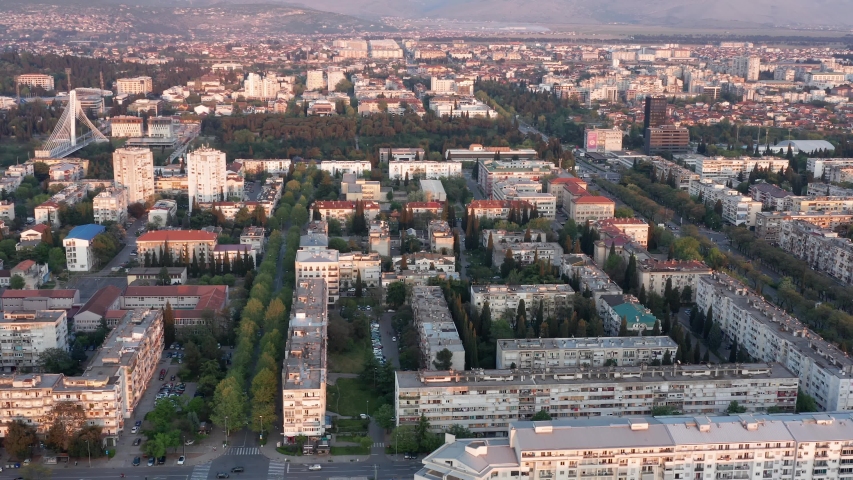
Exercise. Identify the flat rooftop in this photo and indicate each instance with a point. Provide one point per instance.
(123, 342)
(305, 351)
(586, 343)
(544, 288)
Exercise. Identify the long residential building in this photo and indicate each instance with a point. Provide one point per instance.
(182, 245)
(506, 298)
(723, 169)
(275, 166)
(821, 204)
(738, 209)
(25, 334)
(769, 334)
(487, 401)
(528, 253)
(654, 275)
(768, 225)
(436, 330)
(806, 446)
(423, 169)
(822, 249)
(541, 353)
(496, 209)
(303, 376)
(490, 172)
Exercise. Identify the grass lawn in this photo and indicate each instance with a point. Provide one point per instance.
(351, 425)
(349, 362)
(350, 451)
(349, 397)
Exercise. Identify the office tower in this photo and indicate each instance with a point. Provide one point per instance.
(655, 111)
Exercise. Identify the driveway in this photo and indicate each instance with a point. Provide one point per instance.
(390, 348)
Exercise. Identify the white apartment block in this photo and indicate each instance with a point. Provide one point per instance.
(816, 189)
(805, 446)
(504, 299)
(273, 166)
(602, 140)
(545, 203)
(425, 262)
(125, 126)
(320, 264)
(821, 204)
(654, 274)
(487, 401)
(541, 353)
(345, 166)
(36, 80)
(340, 210)
(442, 86)
(303, 376)
(78, 247)
(369, 265)
(206, 175)
(504, 236)
(491, 172)
(528, 253)
(423, 169)
(385, 48)
(314, 80)
(24, 334)
(256, 87)
(746, 67)
(771, 335)
(134, 86)
(590, 207)
(822, 249)
(133, 169)
(380, 238)
(440, 237)
(737, 208)
(634, 228)
(333, 78)
(722, 169)
(161, 127)
(495, 209)
(111, 205)
(162, 212)
(680, 175)
(476, 152)
(436, 330)
(768, 225)
(388, 154)
(818, 165)
(354, 188)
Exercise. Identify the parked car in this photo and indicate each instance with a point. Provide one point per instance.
(150, 461)
(136, 461)
(138, 423)
(137, 442)
(161, 460)
(134, 430)
(181, 460)
(410, 456)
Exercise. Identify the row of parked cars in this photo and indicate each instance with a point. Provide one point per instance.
(376, 340)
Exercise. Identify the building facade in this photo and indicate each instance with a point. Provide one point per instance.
(133, 169)
(206, 175)
(436, 330)
(79, 254)
(541, 353)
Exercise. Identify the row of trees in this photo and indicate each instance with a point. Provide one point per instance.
(215, 265)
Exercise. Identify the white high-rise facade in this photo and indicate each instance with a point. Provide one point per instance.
(746, 67)
(314, 80)
(258, 87)
(133, 169)
(206, 175)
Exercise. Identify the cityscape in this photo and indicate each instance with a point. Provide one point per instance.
(426, 240)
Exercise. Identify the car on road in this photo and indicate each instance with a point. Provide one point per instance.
(181, 460)
(222, 475)
(363, 416)
(134, 430)
(161, 460)
(172, 378)
(150, 461)
(136, 461)
(316, 466)
(410, 456)
(238, 470)
(137, 442)
(393, 339)
(138, 423)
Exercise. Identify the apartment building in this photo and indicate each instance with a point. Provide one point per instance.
(110, 205)
(133, 169)
(555, 186)
(79, 253)
(768, 225)
(127, 127)
(807, 446)
(385, 48)
(722, 169)
(182, 245)
(423, 169)
(13, 300)
(387, 154)
(541, 353)
(36, 80)
(602, 140)
(654, 274)
(487, 401)
(425, 262)
(341, 210)
(771, 196)
(667, 139)
(496, 209)
(492, 171)
(680, 175)
(590, 207)
(354, 188)
(747, 67)
(614, 308)
(161, 127)
(827, 190)
(273, 166)
(476, 152)
(163, 212)
(254, 237)
(737, 209)
(528, 253)
(504, 236)
(818, 165)
(191, 304)
(506, 298)
(7, 210)
(823, 249)
(436, 330)
(25, 334)
(320, 264)
(434, 190)
(821, 204)
(769, 334)
(353, 264)
(134, 86)
(380, 238)
(589, 277)
(177, 276)
(440, 236)
(544, 203)
(206, 175)
(335, 167)
(303, 375)
(634, 228)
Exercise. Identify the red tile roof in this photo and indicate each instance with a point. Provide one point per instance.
(497, 204)
(433, 205)
(117, 314)
(40, 228)
(101, 300)
(567, 180)
(26, 264)
(177, 236)
(575, 189)
(171, 291)
(39, 294)
(593, 199)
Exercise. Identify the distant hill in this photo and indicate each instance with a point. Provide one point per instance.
(675, 13)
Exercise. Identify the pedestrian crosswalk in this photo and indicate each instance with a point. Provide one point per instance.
(200, 472)
(244, 451)
(379, 445)
(276, 471)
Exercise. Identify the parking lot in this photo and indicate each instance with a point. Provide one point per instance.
(380, 340)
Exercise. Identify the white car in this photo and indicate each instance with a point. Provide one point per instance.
(316, 466)
(134, 430)
(181, 460)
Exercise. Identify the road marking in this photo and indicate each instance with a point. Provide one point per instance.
(200, 472)
(244, 451)
(276, 471)
(379, 444)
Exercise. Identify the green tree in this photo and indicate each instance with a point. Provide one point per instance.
(168, 324)
(36, 471)
(229, 402)
(19, 439)
(623, 327)
(443, 360)
(664, 410)
(384, 416)
(57, 360)
(715, 337)
(541, 416)
(735, 408)
(358, 285)
(805, 402)
(395, 294)
(460, 432)
(17, 282)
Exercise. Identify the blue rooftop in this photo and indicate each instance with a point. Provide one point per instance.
(86, 232)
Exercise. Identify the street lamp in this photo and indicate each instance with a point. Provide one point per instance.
(226, 430)
(262, 428)
(368, 408)
(90, 453)
(184, 437)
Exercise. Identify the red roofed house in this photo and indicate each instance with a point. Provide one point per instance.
(88, 318)
(636, 229)
(556, 187)
(435, 208)
(590, 207)
(193, 305)
(34, 275)
(340, 210)
(39, 299)
(495, 209)
(181, 243)
(34, 233)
